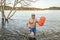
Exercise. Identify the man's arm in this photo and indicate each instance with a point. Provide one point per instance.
(28, 25)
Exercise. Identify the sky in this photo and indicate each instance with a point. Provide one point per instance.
(40, 3)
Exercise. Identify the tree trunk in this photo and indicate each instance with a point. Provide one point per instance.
(3, 15)
(3, 19)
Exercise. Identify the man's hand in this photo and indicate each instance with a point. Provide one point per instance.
(28, 28)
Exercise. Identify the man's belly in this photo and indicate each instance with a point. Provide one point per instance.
(33, 26)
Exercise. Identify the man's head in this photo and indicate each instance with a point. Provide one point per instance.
(33, 16)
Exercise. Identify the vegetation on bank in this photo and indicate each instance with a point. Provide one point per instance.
(29, 8)
(53, 8)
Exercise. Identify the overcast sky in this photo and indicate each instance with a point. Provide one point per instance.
(41, 3)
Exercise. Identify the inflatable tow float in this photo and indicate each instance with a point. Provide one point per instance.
(41, 21)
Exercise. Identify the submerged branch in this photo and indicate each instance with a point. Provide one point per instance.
(12, 14)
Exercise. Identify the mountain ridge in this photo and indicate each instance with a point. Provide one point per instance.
(30, 8)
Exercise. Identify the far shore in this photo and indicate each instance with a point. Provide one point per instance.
(30, 8)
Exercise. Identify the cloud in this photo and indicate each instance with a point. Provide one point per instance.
(40, 3)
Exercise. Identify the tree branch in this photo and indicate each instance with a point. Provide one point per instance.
(22, 4)
(12, 14)
(12, 9)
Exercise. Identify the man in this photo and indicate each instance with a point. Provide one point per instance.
(31, 25)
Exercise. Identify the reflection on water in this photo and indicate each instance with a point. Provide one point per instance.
(52, 23)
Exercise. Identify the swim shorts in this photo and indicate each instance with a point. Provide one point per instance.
(33, 30)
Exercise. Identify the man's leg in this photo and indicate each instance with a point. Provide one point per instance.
(33, 36)
(34, 33)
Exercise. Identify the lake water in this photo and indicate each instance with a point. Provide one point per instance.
(20, 19)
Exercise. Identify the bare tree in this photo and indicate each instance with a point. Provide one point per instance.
(2, 11)
(21, 2)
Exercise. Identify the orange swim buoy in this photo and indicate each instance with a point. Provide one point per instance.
(41, 20)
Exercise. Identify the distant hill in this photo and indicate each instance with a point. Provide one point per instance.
(7, 7)
(21, 8)
(29, 8)
(53, 8)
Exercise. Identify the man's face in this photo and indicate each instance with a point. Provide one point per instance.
(33, 16)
